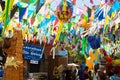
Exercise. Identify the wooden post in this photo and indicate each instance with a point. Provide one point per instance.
(15, 50)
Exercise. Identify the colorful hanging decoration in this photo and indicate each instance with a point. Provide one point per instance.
(94, 42)
(5, 14)
(64, 11)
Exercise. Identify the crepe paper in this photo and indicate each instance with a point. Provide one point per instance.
(21, 13)
(22, 4)
(86, 17)
(47, 2)
(89, 63)
(94, 42)
(74, 2)
(91, 1)
(115, 7)
(99, 14)
(31, 9)
(44, 23)
(48, 16)
(88, 48)
(55, 23)
(1, 29)
(89, 11)
(84, 44)
(39, 17)
(15, 8)
(106, 28)
(9, 5)
(62, 36)
(73, 31)
(80, 4)
(2, 5)
(54, 4)
(52, 17)
(59, 31)
(2, 16)
(106, 1)
(33, 1)
(106, 21)
(88, 4)
(69, 26)
(40, 3)
(32, 20)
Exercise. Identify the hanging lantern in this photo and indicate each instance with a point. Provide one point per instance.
(64, 11)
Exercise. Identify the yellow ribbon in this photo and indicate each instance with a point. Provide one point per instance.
(106, 21)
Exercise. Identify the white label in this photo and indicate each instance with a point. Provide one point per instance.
(33, 62)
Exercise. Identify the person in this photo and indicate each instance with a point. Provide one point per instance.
(101, 73)
(81, 72)
(90, 75)
(63, 72)
(111, 72)
(76, 73)
(68, 74)
(116, 75)
(56, 75)
(86, 74)
(96, 67)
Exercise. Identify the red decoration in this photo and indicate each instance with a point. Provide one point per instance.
(108, 60)
(91, 1)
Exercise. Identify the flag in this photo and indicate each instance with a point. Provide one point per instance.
(99, 14)
(21, 13)
(91, 1)
(15, 8)
(2, 4)
(115, 7)
(1, 29)
(31, 9)
(74, 2)
(39, 5)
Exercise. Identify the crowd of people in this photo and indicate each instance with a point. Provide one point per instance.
(82, 72)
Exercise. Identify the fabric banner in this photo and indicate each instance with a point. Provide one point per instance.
(32, 52)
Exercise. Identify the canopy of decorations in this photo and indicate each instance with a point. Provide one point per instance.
(86, 27)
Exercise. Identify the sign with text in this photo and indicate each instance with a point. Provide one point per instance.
(32, 52)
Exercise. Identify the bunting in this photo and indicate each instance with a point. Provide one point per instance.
(21, 13)
(115, 7)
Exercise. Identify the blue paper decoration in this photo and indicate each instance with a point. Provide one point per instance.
(1, 29)
(94, 42)
(21, 13)
(99, 14)
(115, 7)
